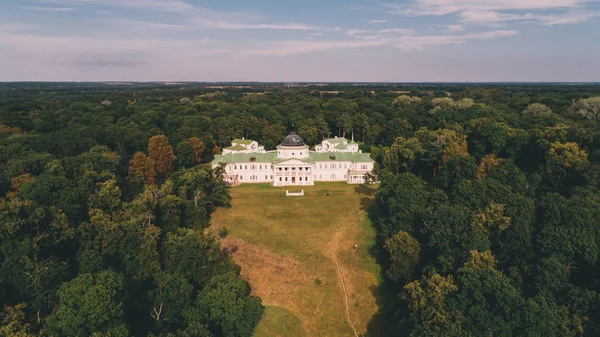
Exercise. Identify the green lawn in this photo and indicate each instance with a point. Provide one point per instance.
(287, 248)
(278, 321)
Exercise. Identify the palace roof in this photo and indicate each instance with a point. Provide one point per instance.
(336, 140)
(292, 140)
(242, 141)
(267, 157)
(237, 147)
(271, 157)
(355, 157)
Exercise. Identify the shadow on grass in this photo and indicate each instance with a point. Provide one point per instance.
(382, 323)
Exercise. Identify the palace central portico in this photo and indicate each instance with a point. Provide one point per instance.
(294, 164)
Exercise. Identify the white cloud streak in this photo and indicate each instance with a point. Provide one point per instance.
(49, 9)
(443, 7)
(193, 17)
(409, 42)
(378, 21)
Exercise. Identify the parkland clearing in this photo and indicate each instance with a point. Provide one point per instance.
(289, 249)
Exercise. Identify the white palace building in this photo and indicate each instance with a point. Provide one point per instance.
(293, 164)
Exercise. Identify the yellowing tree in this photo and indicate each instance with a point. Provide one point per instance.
(481, 260)
(492, 218)
(567, 155)
(407, 100)
(589, 107)
(16, 183)
(197, 149)
(487, 164)
(537, 110)
(161, 152)
(427, 299)
(142, 167)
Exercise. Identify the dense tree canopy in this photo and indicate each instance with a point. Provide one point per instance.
(486, 211)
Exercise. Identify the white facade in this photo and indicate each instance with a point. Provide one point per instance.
(293, 164)
(337, 145)
(244, 146)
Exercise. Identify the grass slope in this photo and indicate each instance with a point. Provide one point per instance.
(287, 248)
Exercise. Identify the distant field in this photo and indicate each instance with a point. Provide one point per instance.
(288, 248)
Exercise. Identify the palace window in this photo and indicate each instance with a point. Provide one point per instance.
(271, 177)
(293, 153)
(286, 168)
(300, 168)
(235, 167)
(241, 177)
(261, 167)
(285, 178)
(300, 178)
(245, 167)
(266, 178)
(293, 169)
(280, 169)
(279, 178)
(364, 167)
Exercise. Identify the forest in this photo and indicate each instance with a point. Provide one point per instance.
(486, 210)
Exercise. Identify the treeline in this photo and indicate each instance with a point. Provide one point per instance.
(488, 216)
(99, 241)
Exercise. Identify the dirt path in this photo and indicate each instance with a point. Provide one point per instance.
(346, 298)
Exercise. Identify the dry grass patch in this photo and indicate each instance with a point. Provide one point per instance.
(287, 249)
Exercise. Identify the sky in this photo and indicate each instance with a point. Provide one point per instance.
(300, 41)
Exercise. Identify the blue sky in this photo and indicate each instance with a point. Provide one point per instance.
(308, 40)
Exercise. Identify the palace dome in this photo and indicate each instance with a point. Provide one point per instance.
(292, 140)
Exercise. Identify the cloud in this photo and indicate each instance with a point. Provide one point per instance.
(443, 7)
(499, 12)
(408, 42)
(399, 31)
(361, 33)
(492, 34)
(355, 32)
(455, 28)
(226, 25)
(288, 48)
(76, 48)
(50, 9)
(493, 17)
(568, 18)
(378, 21)
(108, 62)
(311, 36)
(192, 17)
(150, 5)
